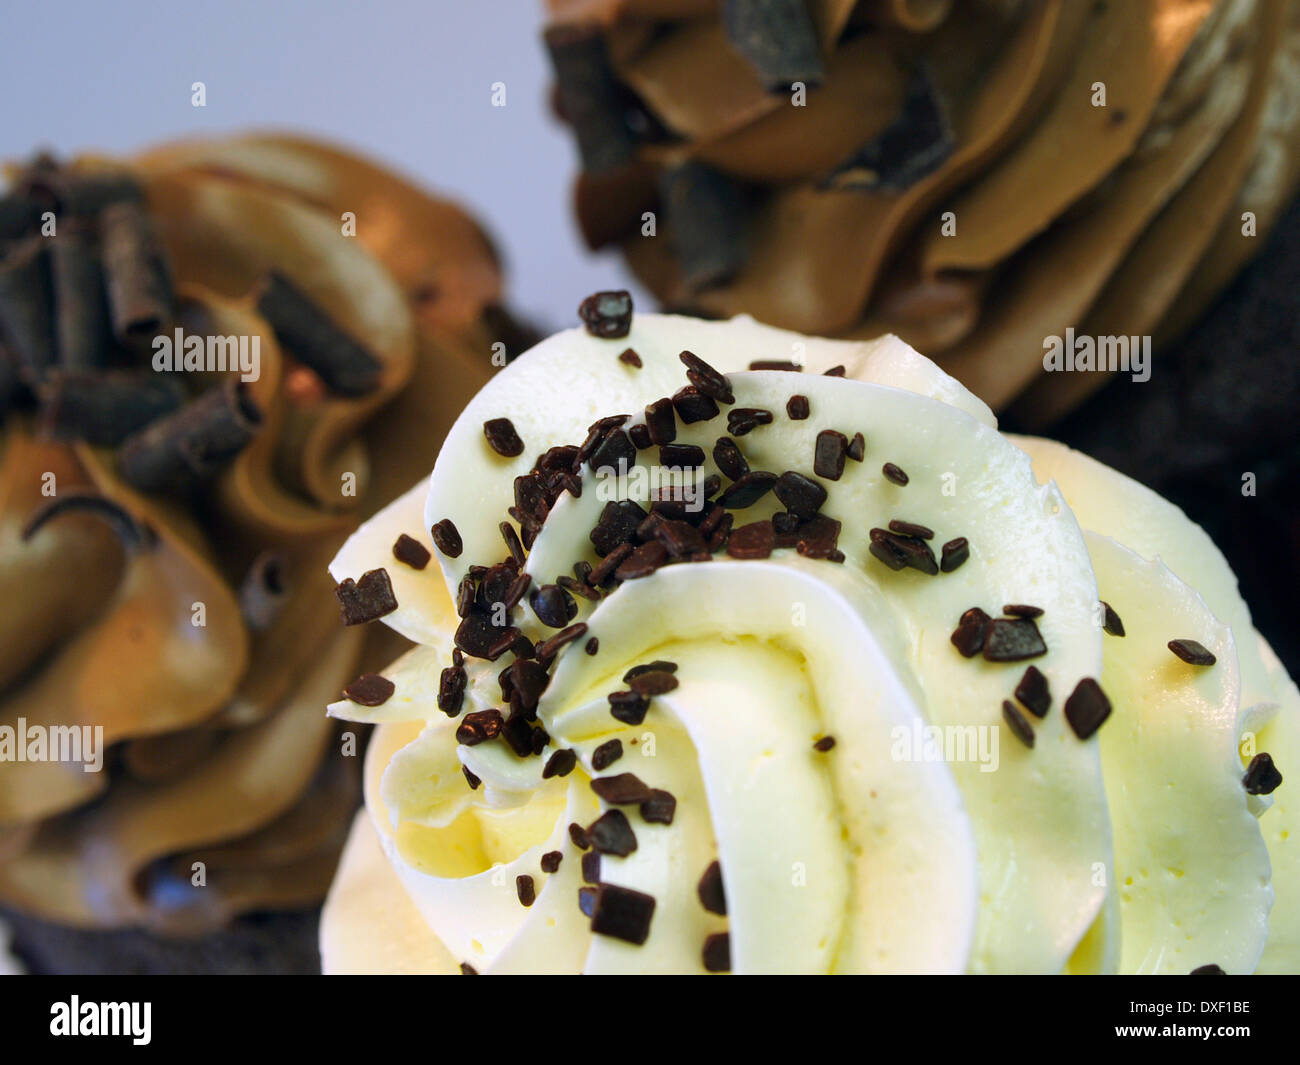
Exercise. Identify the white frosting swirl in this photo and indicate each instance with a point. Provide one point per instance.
(1135, 850)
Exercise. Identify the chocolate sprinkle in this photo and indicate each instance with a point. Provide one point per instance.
(801, 495)
(466, 969)
(708, 380)
(717, 953)
(446, 538)
(909, 528)
(479, 727)
(622, 789)
(755, 540)
(608, 314)
(747, 489)
(659, 665)
(451, 690)
(1086, 708)
(660, 808)
(712, 896)
(707, 217)
(370, 689)
(681, 456)
(622, 913)
(894, 474)
(796, 408)
(560, 764)
(1021, 610)
(652, 682)
(1013, 640)
(826, 743)
(553, 606)
(1016, 721)
(579, 836)
(743, 420)
(642, 562)
(617, 525)
(611, 834)
(606, 755)
(1208, 970)
(692, 406)
(955, 552)
(1033, 692)
(631, 358)
(1262, 776)
(829, 453)
(628, 707)
(591, 867)
(410, 551)
(1111, 625)
(857, 447)
(502, 437)
(551, 861)
(592, 645)
(470, 778)
(526, 890)
(836, 371)
(897, 551)
(547, 649)
(661, 421)
(971, 632)
(589, 95)
(587, 900)
(784, 365)
(1191, 652)
(367, 599)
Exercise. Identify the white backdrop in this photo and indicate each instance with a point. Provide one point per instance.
(407, 81)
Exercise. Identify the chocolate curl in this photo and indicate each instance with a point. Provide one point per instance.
(26, 317)
(193, 443)
(139, 290)
(590, 96)
(134, 534)
(263, 593)
(707, 211)
(778, 39)
(105, 408)
(86, 195)
(81, 326)
(19, 216)
(911, 147)
(316, 339)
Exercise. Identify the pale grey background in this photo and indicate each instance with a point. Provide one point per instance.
(406, 81)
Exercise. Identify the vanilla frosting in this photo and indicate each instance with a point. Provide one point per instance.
(928, 837)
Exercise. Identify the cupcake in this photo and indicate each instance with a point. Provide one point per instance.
(219, 358)
(977, 178)
(763, 652)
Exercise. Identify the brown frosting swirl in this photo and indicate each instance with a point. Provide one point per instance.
(219, 751)
(828, 217)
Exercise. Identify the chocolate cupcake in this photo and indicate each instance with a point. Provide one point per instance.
(976, 178)
(219, 358)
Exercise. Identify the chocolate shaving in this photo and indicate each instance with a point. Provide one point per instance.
(652, 682)
(777, 39)
(729, 458)
(628, 706)
(589, 94)
(617, 524)
(911, 147)
(642, 562)
(784, 365)
(1262, 776)
(681, 456)
(366, 599)
(1208, 970)
(590, 864)
(661, 421)
(755, 540)
(622, 913)
(317, 340)
(706, 211)
(410, 552)
(81, 320)
(104, 408)
(451, 689)
(579, 836)
(817, 538)
(897, 551)
(1022, 610)
(471, 778)
(263, 591)
(857, 450)
(26, 308)
(370, 689)
(921, 532)
(1086, 708)
(824, 744)
(192, 443)
(592, 645)
(135, 272)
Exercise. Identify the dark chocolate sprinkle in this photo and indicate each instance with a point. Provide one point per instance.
(955, 552)
(1022, 610)
(451, 690)
(712, 896)
(591, 866)
(502, 438)
(681, 456)
(797, 408)
(628, 707)
(747, 489)
(622, 913)
(408, 550)
(622, 789)
(897, 551)
(560, 764)
(661, 422)
(1033, 692)
(553, 606)
(592, 645)
(857, 447)
(470, 778)
(653, 682)
(708, 380)
(1111, 625)
(642, 562)
(551, 861)
(692, 405)
(784, 365)
(1086, 708)
(660, 808)
(466, 969)
(829, 453)
(836, 371)
(971, 631)
(366, 599)
(894, 474)
(717, 953)
(513, 545)
(1016, 721)
(801, 495)
(1191, 652)
(817, 538)
(547, 649)
(1262, 776)
(729, 458)
(755, 540)
(370, 689)
(743, 420)
(611, 834)
(587, 900)
(446, 538)
(526, 890)
(659, 665)
(617, 524)
(1013, 640)
(615, 452)
(1208, 970)
(826, 743)
(479, 727)
(910, 528)
(606, 755)
(630, 357)
(639, 434)
(579, 836)
(608, 314)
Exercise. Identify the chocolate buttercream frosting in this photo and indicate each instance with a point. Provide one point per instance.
(975, 177)
(168, 503)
